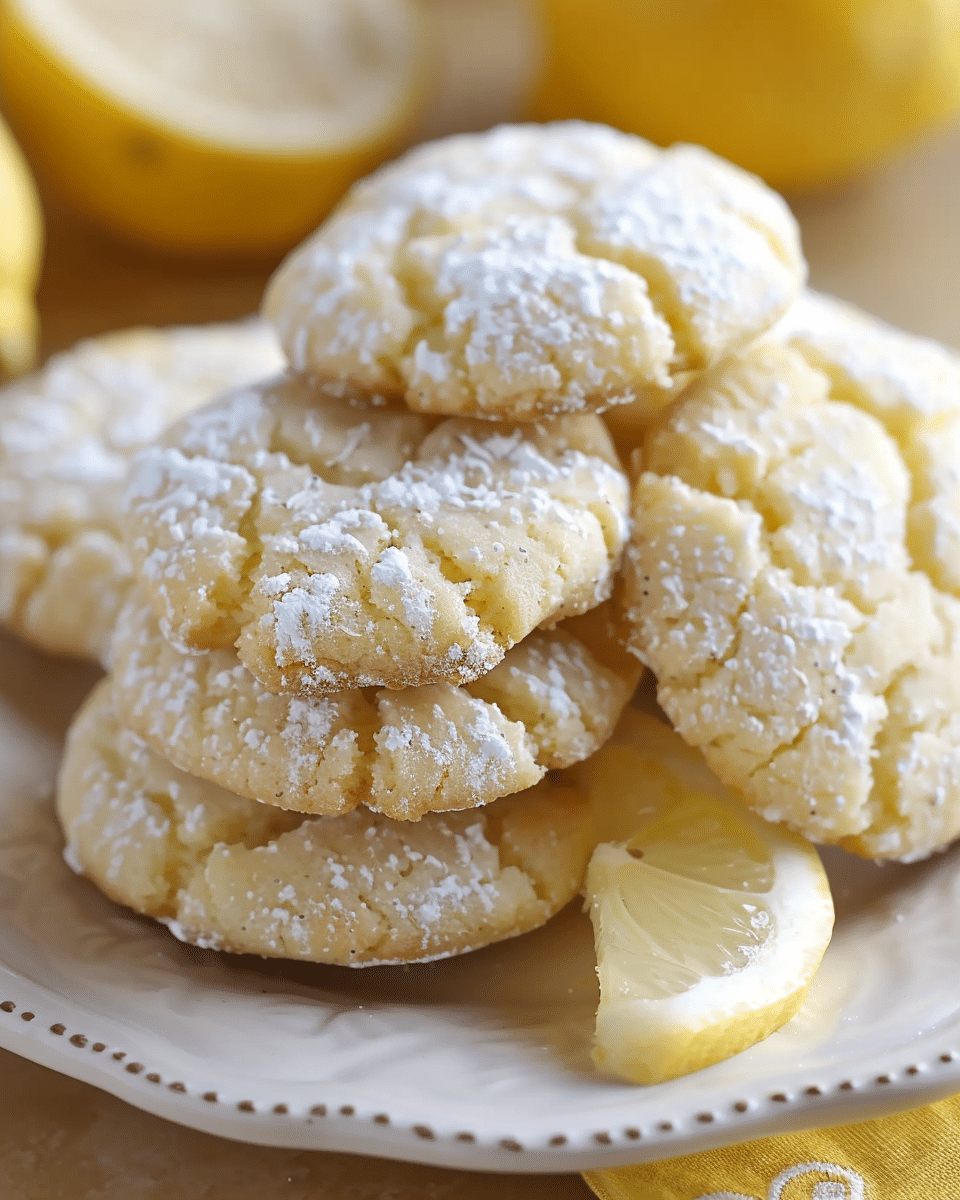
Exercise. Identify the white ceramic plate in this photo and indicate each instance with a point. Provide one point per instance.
(475, 1062)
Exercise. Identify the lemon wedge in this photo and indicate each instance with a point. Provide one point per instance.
(709, 922)
(217, 127)
(20, 243)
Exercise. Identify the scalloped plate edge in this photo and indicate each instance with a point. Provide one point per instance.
(30, 1027)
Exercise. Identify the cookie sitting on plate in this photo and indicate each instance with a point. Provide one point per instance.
(793, 581)
(227, 873)
(66, 437)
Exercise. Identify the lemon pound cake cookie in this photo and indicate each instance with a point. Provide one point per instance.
(228, 873)
(538, 269)
(342, 544)
(66, 437)
(793, 582)
(552, 701)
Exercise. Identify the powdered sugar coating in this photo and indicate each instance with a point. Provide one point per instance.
(389, 550)
(228, 873)
(66, 436)
(787, 582)
(551, 702)
(911, 385)
(538, 269)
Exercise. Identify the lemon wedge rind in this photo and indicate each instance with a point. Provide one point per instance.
(646, 1040)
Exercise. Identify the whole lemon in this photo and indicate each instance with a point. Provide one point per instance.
(800, 91)
(21, 236)
(215, 128)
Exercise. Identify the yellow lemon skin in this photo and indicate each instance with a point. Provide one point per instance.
(157, 187)
(709, 923)
(647, 1058)
(21, 238)
(801, 92)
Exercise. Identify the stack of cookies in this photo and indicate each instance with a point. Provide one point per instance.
(373, 622)
(373, 607)
(347, 759)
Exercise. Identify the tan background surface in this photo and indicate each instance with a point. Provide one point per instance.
(889, 241)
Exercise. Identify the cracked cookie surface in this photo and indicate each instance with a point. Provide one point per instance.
(67, 434)
(538, 269)
(227, 873)
(793, 582)
(342, 543)
(552, 701)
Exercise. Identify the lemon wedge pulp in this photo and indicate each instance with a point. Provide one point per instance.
(709, 922)
(215, 127)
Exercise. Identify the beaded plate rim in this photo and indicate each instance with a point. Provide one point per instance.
(905, 922)
(851, 1098)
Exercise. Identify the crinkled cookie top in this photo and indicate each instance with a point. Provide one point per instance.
(552, 701)
(227, 873)
(538, 269)
(66, 436)
(794, 580)
(342, 543)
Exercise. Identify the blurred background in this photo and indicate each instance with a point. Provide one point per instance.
(182, 147)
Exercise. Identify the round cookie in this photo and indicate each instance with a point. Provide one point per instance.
(342, 543)
(228, 873)
(66, 436)
(793, 585)
(538, 269)
(552, 701)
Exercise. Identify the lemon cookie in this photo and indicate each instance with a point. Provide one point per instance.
(228, 873)
(340, 543)
(793, 585)
(66, 436)
(551, 702)
(910, 384)
(538, 269)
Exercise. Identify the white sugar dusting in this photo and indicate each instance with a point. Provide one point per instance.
(392, 571)
(530, 267)
(299, 614)
(330, 754)
(806, 657)
(315, 573)
(358, 888)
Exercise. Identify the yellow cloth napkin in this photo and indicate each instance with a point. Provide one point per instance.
(909, 1156)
